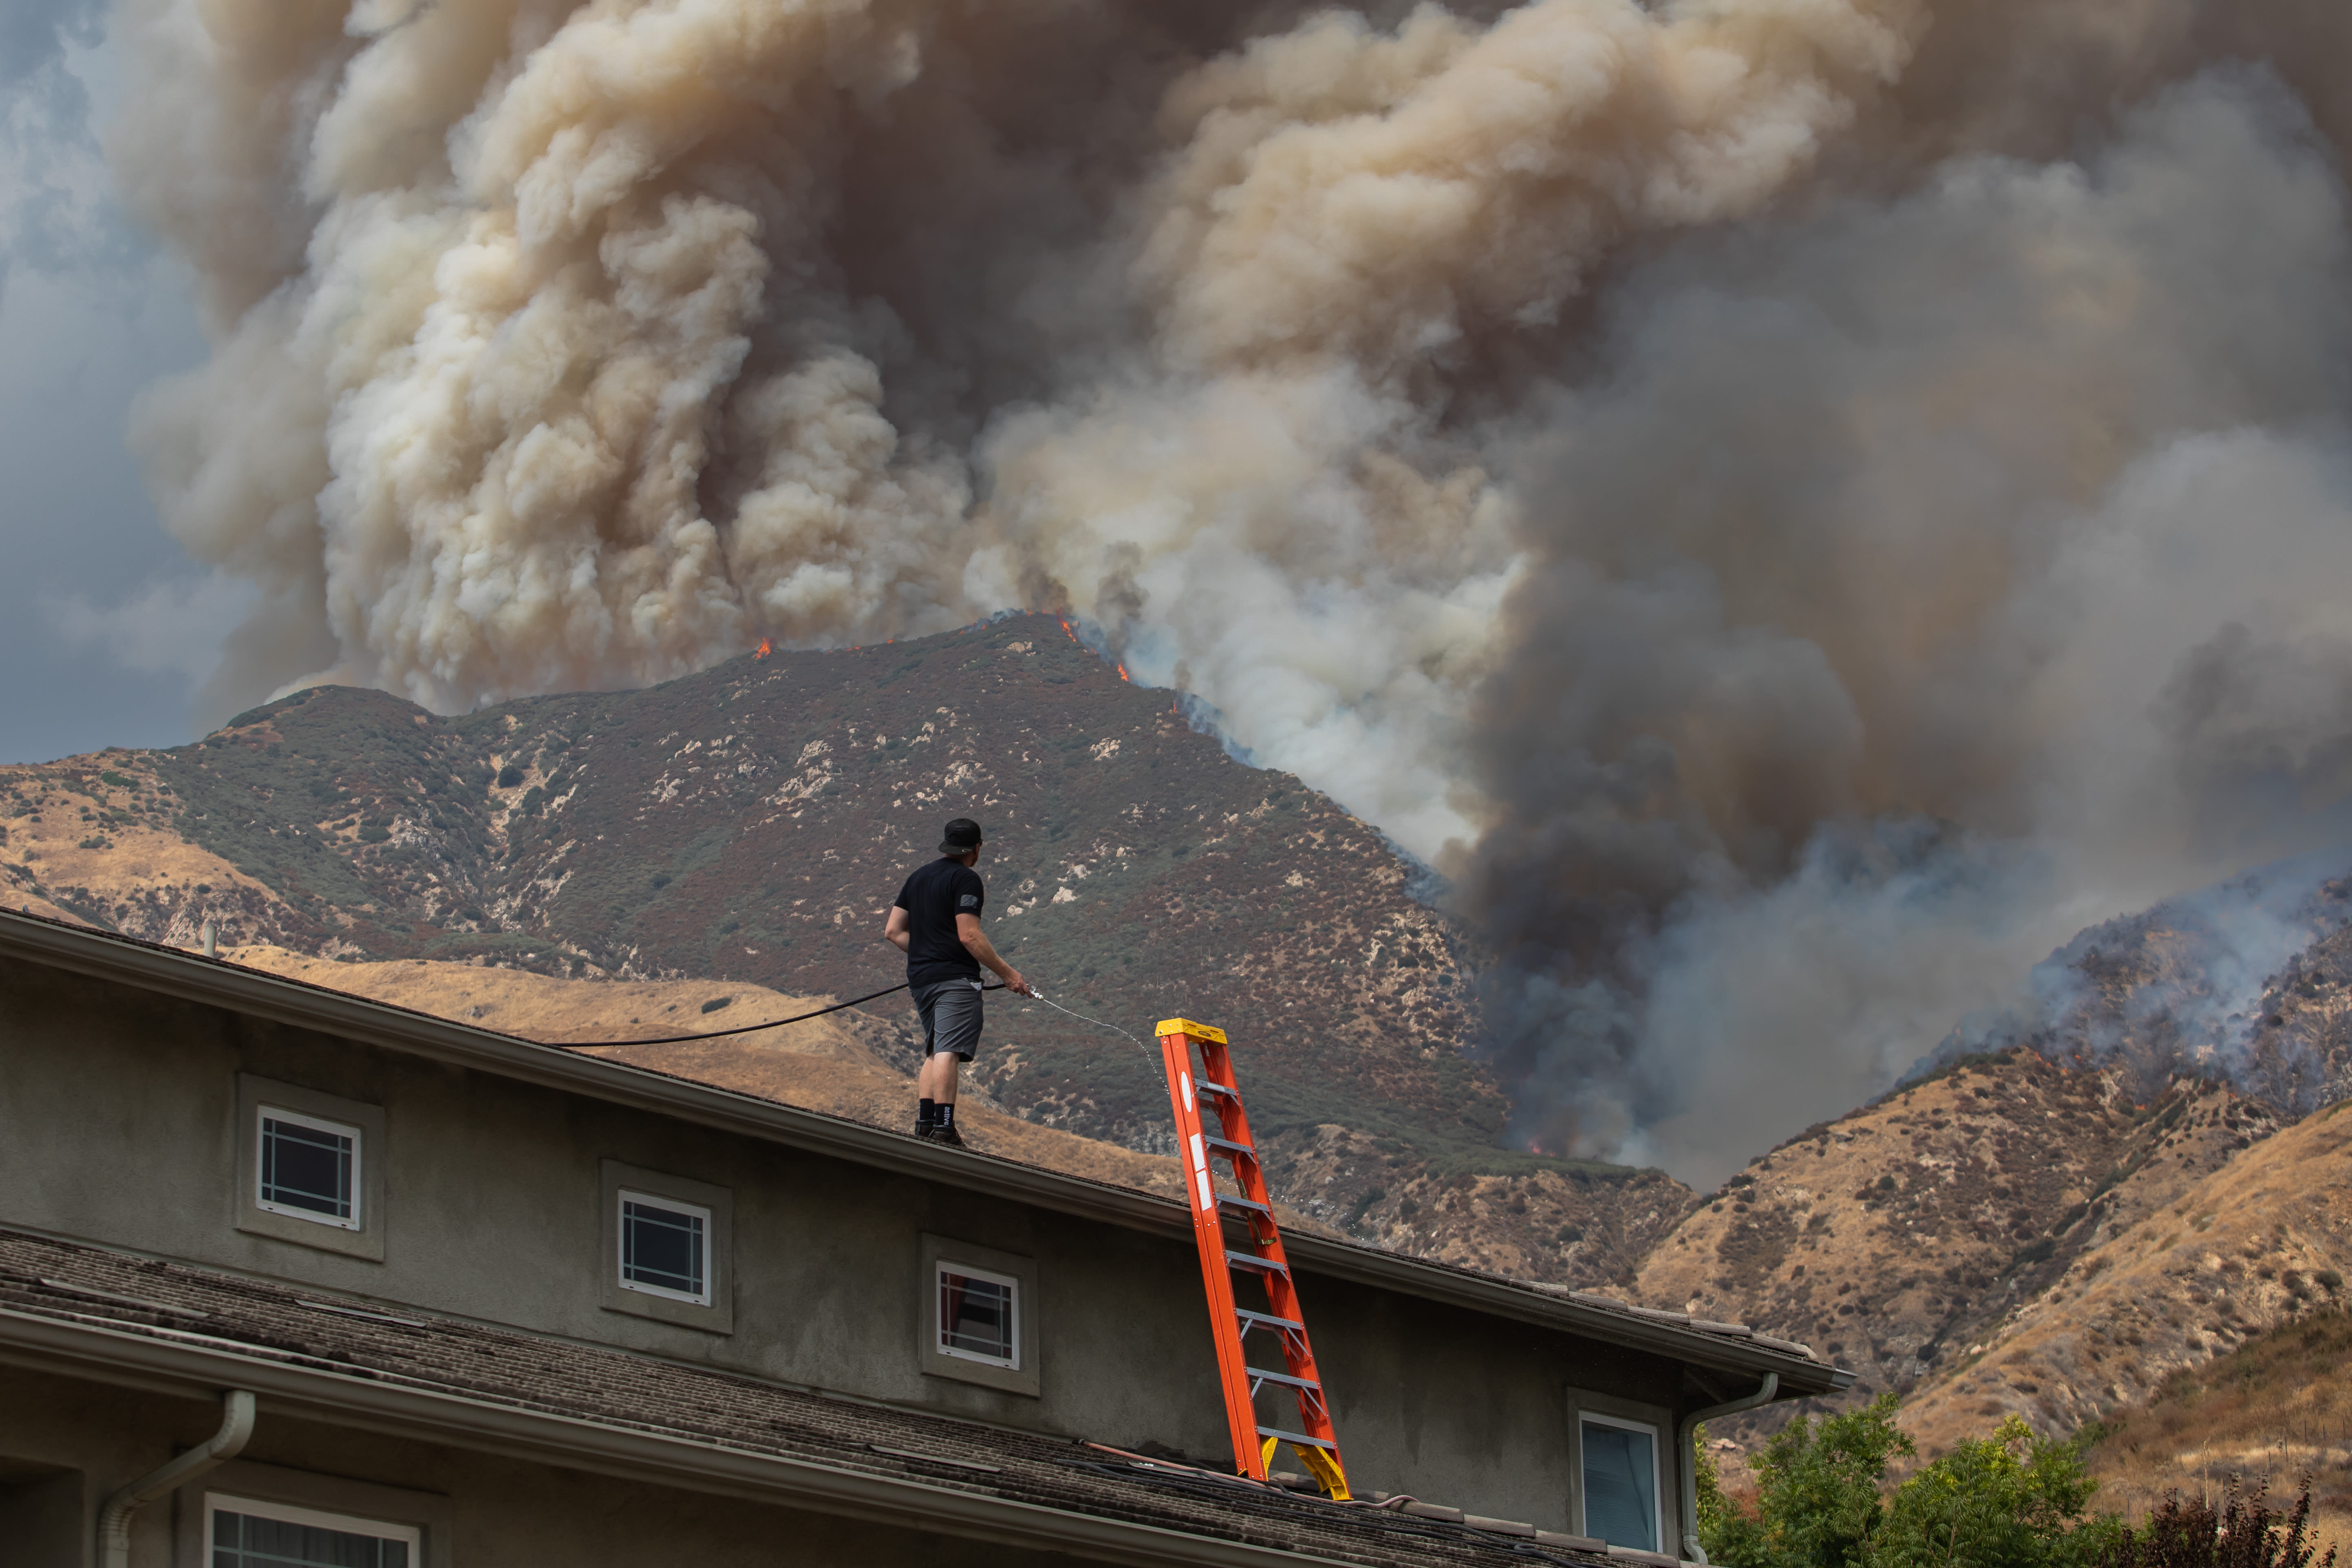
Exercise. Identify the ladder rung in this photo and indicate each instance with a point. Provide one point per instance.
(1201, 1103)
(1285, 1379)
(1300, 1437)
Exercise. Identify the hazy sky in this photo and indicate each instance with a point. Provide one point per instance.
(104, 623)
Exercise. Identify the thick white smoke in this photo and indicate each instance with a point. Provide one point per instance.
(1741, 483)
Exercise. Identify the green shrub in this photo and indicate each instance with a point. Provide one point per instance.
(2013, 1501)
(1818, 1494)
(2010, 1500)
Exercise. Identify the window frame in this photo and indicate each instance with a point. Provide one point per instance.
(932, 1359)
(371, 1155)
(265, 1112)
(703, 1264)
(943, 1343)
(1660, 1481)
(713, 1314)
(250, 1481)
(217, 1503)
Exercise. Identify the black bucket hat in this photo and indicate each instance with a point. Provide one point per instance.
(961, 836)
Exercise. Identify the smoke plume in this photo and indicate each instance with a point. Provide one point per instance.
(1795, 505)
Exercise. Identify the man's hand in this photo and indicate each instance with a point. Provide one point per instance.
(975, 942)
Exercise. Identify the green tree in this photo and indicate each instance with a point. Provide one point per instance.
(2010, 1500)
(1818, 1486)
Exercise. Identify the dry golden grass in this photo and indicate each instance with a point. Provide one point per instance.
(2252, 1250)
(2277, 1412)
(74, 831)
(1886, 1239)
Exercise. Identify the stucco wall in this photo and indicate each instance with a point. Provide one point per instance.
(119, 1125)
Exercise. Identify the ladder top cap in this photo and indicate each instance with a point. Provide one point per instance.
(1186, 1027)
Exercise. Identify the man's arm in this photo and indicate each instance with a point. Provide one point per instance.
(896, 932)
(975, 942)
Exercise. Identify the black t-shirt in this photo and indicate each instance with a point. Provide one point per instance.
(932, 898)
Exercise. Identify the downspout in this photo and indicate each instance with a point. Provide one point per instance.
(1686, 1430)
(114, 1518)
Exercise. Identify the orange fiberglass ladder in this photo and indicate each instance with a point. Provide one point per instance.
(1257, 1252)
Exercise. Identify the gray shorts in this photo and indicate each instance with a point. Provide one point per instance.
(950, 1014)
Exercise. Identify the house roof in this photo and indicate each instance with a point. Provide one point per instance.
(70, 1306)
(1730, 1348)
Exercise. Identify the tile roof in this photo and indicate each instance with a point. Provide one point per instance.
(111, 1306)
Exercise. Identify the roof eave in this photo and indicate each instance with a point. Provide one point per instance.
(436, 1415)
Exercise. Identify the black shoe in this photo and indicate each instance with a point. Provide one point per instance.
(948, 1136)
(924, 1128)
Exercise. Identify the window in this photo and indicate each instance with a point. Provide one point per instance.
(977, 1312)
(667, 1250)
(251, 1515)
(241, 1532)
(979, 1316)
(1621, 1481)
(309, 1168)
(666, 1247)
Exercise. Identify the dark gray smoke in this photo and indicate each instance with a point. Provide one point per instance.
(1738, 487)
(1888, 610)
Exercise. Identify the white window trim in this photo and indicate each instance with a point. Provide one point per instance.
(1657, 1476)
(407, 1535)
(268, 1112)
(945, 1266)
(621, 1245)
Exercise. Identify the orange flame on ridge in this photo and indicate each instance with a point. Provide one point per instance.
(764, 649)
(1122, 672)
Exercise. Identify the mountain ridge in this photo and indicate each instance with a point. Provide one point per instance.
(751, 824)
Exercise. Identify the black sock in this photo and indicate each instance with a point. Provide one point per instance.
(944, 1115)
(926, 1112)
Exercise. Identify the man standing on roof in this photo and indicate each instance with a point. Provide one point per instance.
(936, 924)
